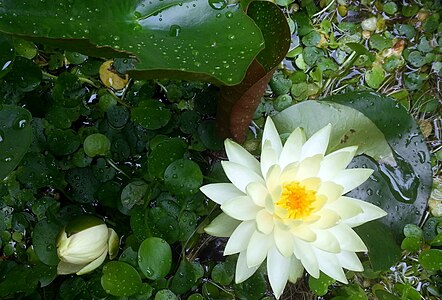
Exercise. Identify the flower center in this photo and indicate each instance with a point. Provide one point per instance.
(296, 200)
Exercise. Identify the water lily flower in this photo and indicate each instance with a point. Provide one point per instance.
(83, 245)
(290, 208)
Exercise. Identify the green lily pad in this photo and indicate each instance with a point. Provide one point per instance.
(43, 241)
(15, 137)
(120, 279)
(133, 193)
(155, 258)
(163, 35)
(431, 259)
(24, 75)
(163, 154)
(151, 114)
(183, 177)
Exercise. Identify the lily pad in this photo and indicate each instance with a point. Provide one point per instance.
(183, 177)
(154, 258)
(170, 38)
(120, 279)
(7, 54)
(15, 137)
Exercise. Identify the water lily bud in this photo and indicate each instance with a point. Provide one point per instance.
(83, 245)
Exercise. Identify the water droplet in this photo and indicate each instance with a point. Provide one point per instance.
(174, 30)
(231, 36)
(218, 4)
(2, 136)
(229, 14)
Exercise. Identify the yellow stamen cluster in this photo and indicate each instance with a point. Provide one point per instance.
(296, 200)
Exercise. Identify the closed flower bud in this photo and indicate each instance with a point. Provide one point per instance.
(83, 245)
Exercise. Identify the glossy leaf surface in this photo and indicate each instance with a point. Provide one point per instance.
(170, 38)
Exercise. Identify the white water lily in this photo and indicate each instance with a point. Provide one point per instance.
(84, 244)
(289, 208)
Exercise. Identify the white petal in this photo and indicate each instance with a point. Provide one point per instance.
(345, 207)
(348, 239)
(331, 190)
(309, 167)
(258, 192)
(284, 241)
(85, 246)
(240, 238)
(221, 192)
(271, 134)
(222, 226)
(351, 178)
(278, 268)
(93, 265)
(112, 243)
(304, 252)
(273, 183)
(330, 265)
(264, 221)
(269, 157)
(241, 208)
(336, 162)
(327, 219)
(291, 152)
(326, 241)
(304, 232)
(296, 269)
(258, 247)
(289, 173)
(350, 261)
(243, 272)
(239, 175)
(239, 155)
(317, 143)
(370, 212)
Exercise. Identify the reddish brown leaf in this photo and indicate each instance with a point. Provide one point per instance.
(238, 103)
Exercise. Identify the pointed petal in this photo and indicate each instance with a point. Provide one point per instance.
(93, 265)
(113, 243)
(327, 218)
(345, 207)
(258, 247)
(304, 232)
(284, 241)
(348, 239)
(370, 212)
(240, 238)
(351, 178)
(243, 272)
(317, 143)
(289, 173)
(296, 269)
(309, 167)
(336, 162)
(273, 183)
(239, 155)
(304, 252)
(269, 157)
(326, 241)
(291, 152)
(271, 134)
(241, 208)
(278, 268)
(350, 261)
(222, 226)
(264, 222)
(239, 175)
(329, 265)
(331, 190)
(220, 192)
(258, 192)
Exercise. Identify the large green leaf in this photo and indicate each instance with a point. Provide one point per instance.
(402, 175)
(15, 137)
(198, 39)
